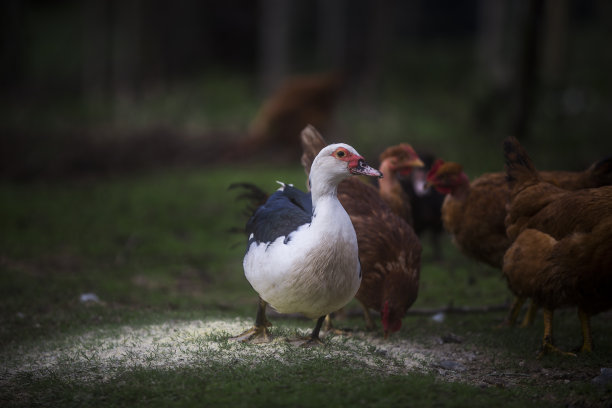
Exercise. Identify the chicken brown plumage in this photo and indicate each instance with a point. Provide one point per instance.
(562, 250)
(474, 213)
(389, 250)
(299, 100)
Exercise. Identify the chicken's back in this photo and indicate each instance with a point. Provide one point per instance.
(536, 203)
(597, 175)
(483, 226)
(558, 212)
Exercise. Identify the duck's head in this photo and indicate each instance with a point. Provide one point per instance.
(340, 160)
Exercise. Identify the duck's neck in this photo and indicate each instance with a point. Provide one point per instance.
(323, 185)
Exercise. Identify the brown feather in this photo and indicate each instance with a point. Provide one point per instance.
(477, 218)
(562, 254)
(389, 250)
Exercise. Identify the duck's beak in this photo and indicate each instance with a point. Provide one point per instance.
(360, 167)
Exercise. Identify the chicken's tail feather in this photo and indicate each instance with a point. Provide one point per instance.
(253, 195)
(602, 171)
(519, 167)
(312, 143)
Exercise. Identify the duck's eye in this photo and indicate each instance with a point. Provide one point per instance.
(340, 153)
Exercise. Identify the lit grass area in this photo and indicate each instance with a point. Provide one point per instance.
(155, 250)
(192, 362)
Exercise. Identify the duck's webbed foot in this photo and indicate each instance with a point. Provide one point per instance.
(313, 340)
(259, 333)
(255, 335)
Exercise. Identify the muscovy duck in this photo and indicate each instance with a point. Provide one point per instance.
(302, 254)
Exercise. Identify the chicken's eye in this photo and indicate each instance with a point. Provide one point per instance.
(340, 153)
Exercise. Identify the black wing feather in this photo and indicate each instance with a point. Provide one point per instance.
(284, 212)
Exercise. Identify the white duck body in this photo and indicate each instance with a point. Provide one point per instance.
(313, 269)
(316, 272)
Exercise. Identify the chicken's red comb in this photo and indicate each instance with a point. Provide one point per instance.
(435, 167)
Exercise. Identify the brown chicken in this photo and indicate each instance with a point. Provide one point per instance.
(474, 213)
(397, 161)
(562, 250)
(299, 100)
(389, 250)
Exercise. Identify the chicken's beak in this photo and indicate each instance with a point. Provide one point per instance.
(416, 163)
(360, 167)
(406, 167)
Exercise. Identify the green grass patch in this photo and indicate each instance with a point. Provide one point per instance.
(156, 250)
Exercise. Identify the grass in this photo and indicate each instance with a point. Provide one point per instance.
(155, 250)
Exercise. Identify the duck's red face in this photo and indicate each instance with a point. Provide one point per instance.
(356, 163)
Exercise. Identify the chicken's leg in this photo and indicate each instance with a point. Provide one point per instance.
(370, 325)
(547, 343)
(512, 313)
(259, 332)
(328, 323)
(587, 340)
(328, 327)
(530, 315)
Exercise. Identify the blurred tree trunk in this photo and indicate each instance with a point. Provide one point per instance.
(13, 43)
(95, 22)
(527, 75)
(274, 33)
(183, 37)
(492, 52)
(555, 40)
(378, 41)
(331, 41)
(125, 52)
